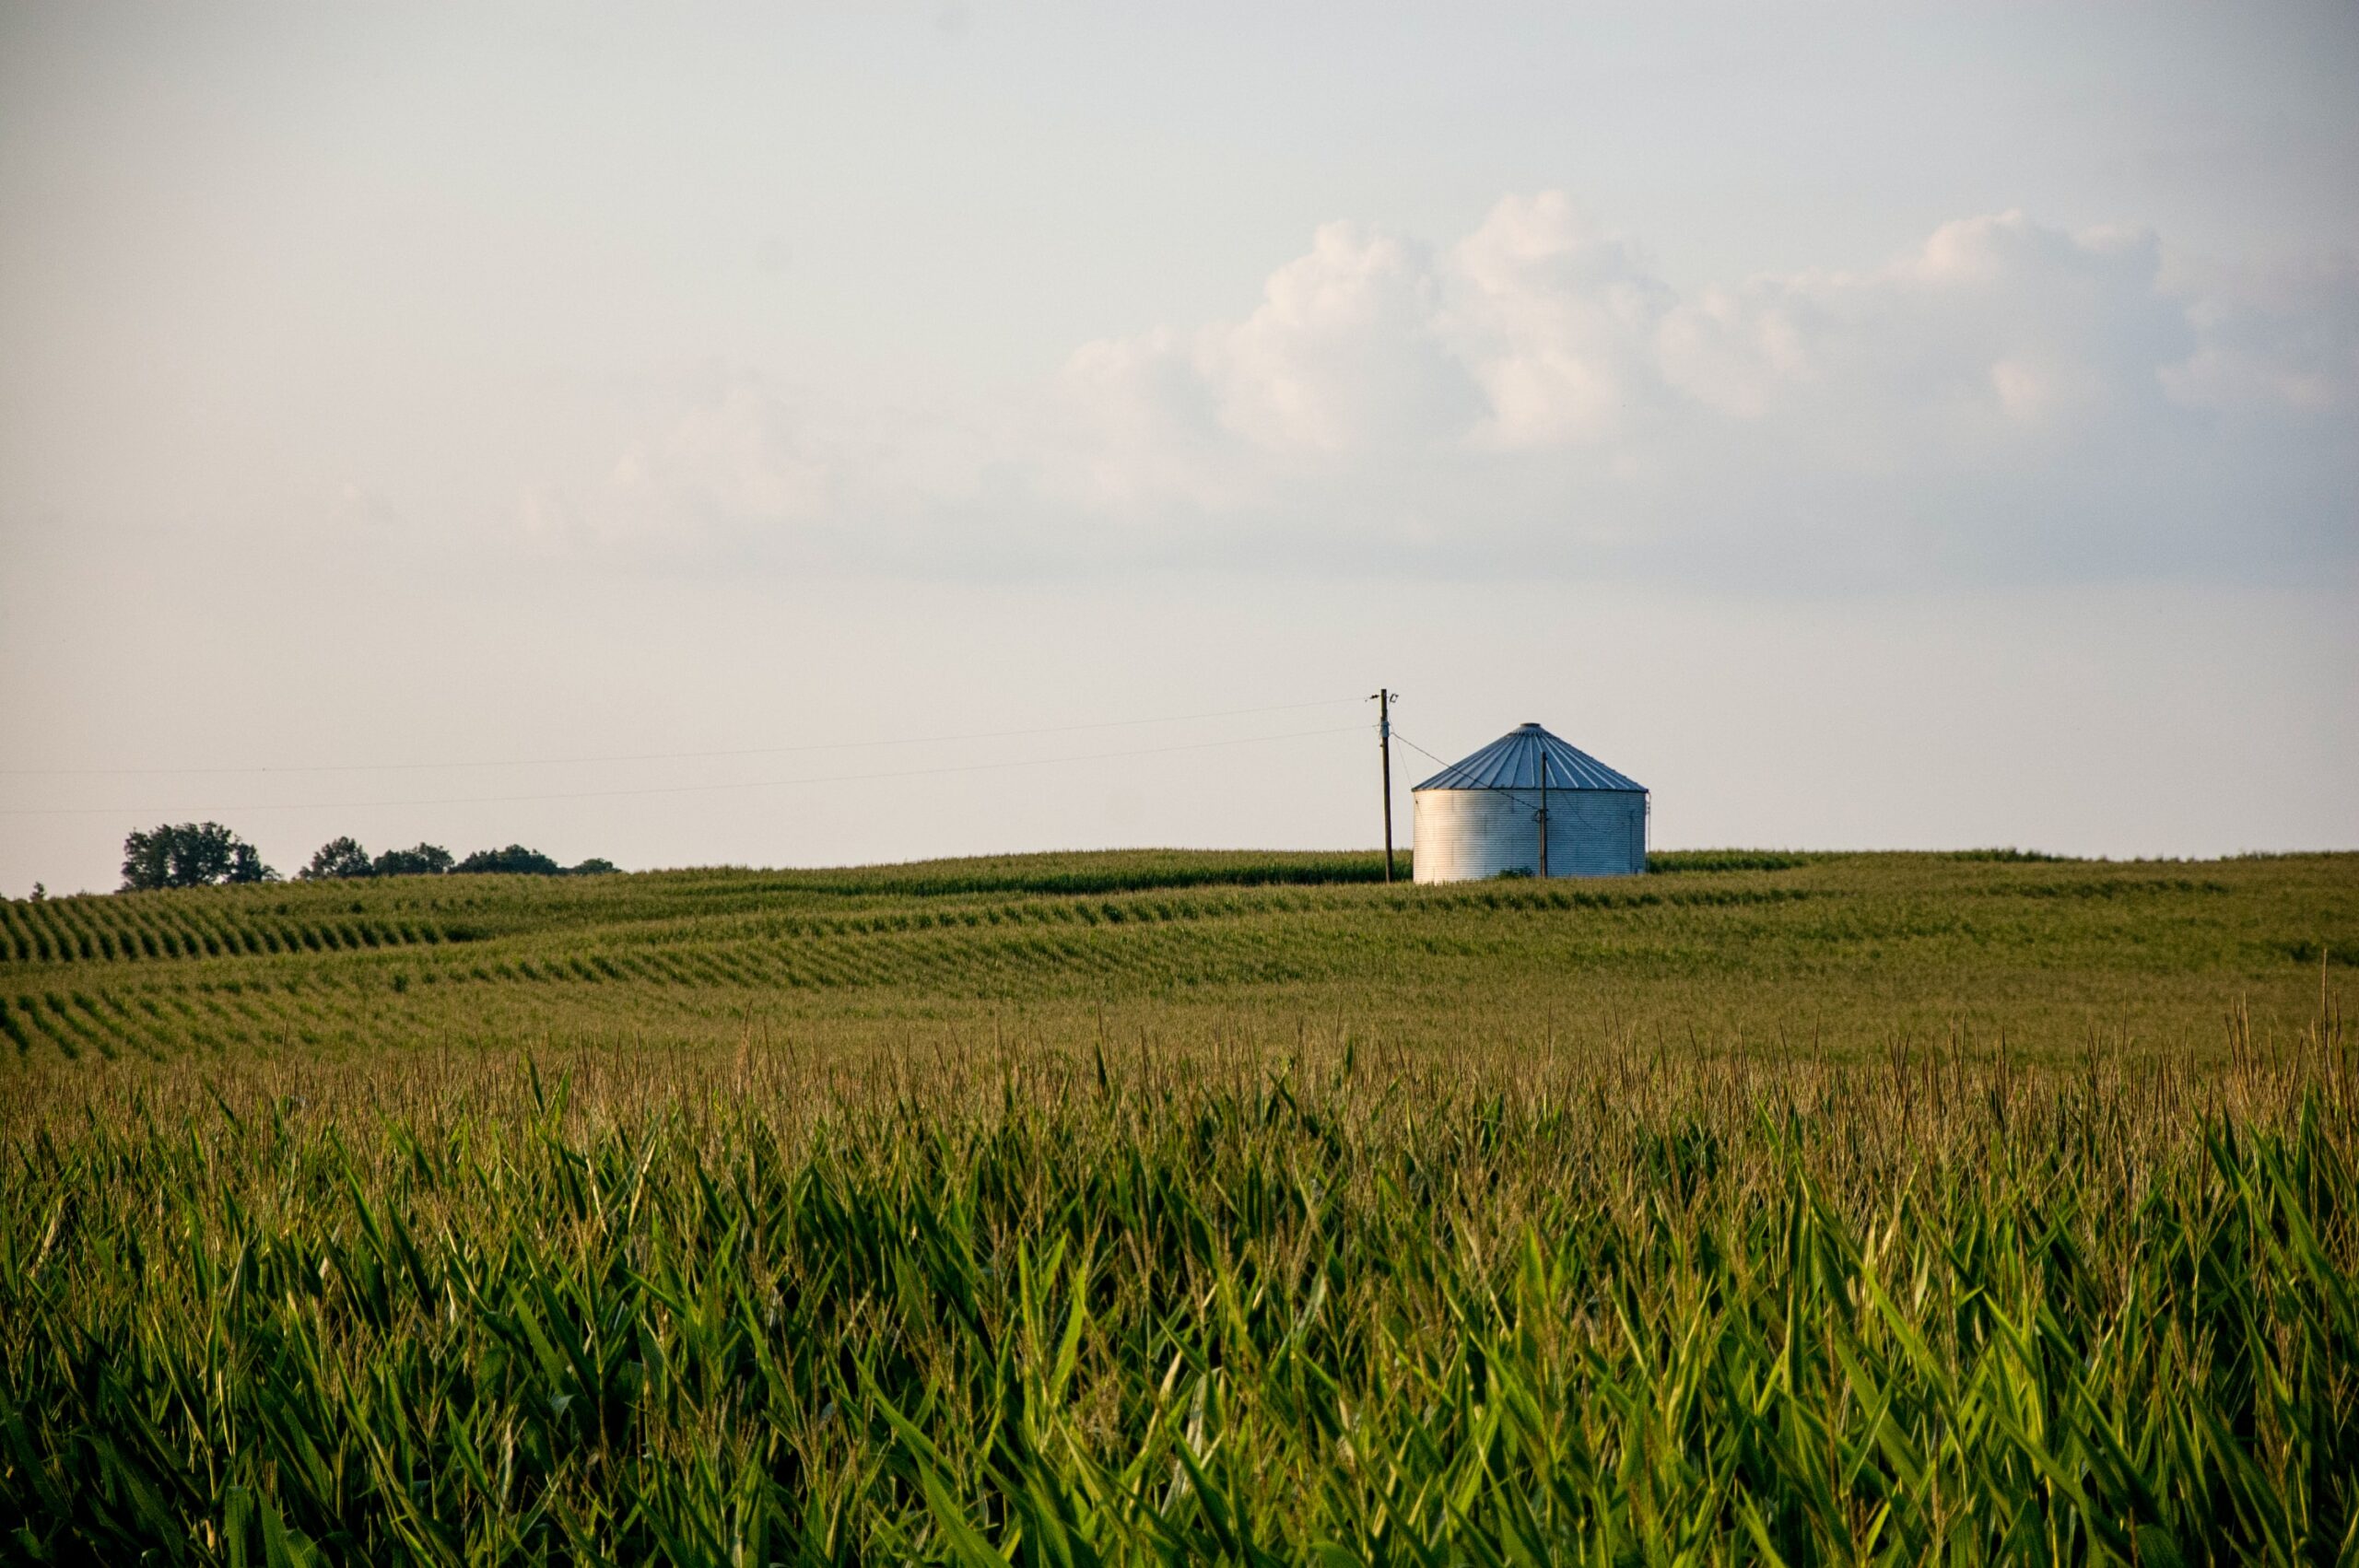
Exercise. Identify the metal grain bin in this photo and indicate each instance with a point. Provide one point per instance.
(1525, 800)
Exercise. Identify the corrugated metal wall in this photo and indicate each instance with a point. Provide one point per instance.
(1466, 835)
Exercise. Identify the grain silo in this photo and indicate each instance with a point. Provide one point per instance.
(1529, 804)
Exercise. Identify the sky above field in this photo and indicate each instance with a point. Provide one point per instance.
(808, 434)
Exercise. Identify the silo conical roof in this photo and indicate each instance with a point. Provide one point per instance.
(1512, 762)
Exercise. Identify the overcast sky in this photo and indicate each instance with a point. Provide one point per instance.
(1866, 425)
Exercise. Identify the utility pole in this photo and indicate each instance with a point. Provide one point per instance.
(1543, 811)
(1384, 701)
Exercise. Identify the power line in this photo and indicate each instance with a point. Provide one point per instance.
(666, 756)
(1414, 746)
(672, 789)
(1512, 794)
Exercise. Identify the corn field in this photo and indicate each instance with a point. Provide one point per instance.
(965, 1265)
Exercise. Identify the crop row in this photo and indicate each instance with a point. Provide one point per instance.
(102, 1020)
(1163, 908)
(124, 931)
(957, 961)
(1035, 949)
(73, 1022)
(106, 932)
(158, 1024)
(67, 930)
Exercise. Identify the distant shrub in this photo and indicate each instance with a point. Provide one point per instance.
(190, 854)
(424, 860)
(336, 859)
(515, 861)
(595, 867)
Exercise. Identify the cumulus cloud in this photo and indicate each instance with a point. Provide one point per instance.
(2005, 399)
(1555, 319)
(1346, 350)
(733, 458)
(732, 466)
(738, 470)
(1995, 327)
(2286, 342)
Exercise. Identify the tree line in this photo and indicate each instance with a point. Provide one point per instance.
(206, 854)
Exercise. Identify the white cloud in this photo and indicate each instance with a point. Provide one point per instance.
(1996, 342)
(2286, 343)
(1569, 338)
(2006, 399)
(1346, 350)
(738, 470)
(1343, 351)
(1556, 319)
(736, 458)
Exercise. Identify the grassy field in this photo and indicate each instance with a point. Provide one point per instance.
(1179, 1207)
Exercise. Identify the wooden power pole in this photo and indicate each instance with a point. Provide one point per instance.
(1384, 700)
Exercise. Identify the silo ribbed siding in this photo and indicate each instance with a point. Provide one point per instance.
(1480, 818)
(1466, 835)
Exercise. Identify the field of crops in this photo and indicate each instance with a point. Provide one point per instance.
(1166, 1208)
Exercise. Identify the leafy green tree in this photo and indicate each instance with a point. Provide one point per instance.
(424, 860)
(338, 858)
(515, 860)
(595, 866)
(190, 854)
